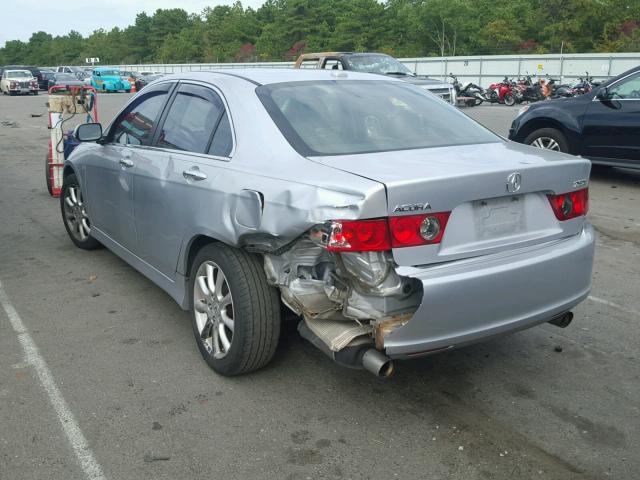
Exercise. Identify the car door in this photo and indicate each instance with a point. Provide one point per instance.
(611, 126)
(175, 182)
(109, 172)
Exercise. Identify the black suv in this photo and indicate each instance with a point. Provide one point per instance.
(602, 125)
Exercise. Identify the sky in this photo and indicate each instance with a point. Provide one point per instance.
(58, 18)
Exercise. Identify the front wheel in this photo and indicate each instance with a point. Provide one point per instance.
(74, 215)
(548, 139)
(235, 312)
(509, 100)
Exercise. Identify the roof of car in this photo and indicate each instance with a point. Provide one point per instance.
(266, 76)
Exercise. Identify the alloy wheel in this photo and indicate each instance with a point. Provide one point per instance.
(213, 309)
(76, 214)
(546, 143)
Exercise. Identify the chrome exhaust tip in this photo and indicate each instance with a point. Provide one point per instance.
(377, 363)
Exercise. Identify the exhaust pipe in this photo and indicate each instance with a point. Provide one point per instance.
(377, 363)
(352, 356)
(563, 320)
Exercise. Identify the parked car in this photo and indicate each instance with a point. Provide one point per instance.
(108, 79)
(47, 75)
(602, 125)
(80, 73)
(376, 63)
(35, 71)
(144, 80)
(65, 80)
(392, 223)
(16, 82)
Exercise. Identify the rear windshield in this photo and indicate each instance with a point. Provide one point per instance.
(19, 74)
(341, 117)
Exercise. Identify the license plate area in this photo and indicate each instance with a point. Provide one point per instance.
(497, 217)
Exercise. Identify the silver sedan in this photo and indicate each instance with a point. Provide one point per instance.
(391, 224)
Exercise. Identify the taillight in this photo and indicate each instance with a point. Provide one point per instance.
(413, 230)
(359, 236)
(384, 233)
(570, 205)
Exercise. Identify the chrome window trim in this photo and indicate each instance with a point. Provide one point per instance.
(174, 151)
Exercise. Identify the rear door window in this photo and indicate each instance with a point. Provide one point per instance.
(192, 120)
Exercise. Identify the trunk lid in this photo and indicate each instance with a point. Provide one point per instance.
(470, 181)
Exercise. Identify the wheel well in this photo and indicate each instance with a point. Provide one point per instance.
(196, 244)
(67, 171)
(537, 124)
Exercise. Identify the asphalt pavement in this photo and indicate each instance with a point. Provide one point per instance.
(112, 384)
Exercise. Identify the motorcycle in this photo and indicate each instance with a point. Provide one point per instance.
(528, 90)
(584, 85)
(551, 90)
(502, 92)
(469, 93)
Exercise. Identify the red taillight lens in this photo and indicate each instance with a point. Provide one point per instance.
(384, 234)
(359, 236)
(412, 230)
(570, 205)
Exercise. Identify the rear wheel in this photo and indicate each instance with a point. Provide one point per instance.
(47, 174)
(509, 100)
(235, 312)
(548, 139)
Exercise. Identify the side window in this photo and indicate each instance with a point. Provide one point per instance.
(223, 139)
(627, 88)
(332, 64)
(309, 63)
(191, 120)
(135, 125)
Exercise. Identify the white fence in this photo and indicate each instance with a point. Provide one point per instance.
(482, 70)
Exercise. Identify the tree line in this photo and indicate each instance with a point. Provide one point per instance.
(283, 29)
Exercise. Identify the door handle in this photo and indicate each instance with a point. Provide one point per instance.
(194, 174)
(125, 162)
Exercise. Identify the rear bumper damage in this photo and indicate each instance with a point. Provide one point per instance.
(471, 300)
(361, 308)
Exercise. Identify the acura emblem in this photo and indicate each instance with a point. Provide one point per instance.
(513, 182)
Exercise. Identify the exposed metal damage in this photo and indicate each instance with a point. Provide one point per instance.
(348, 300)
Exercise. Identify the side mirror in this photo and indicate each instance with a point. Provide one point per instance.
(97, 74)
(603, 94)
(88, 132)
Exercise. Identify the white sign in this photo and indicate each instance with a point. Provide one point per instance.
(92, 60)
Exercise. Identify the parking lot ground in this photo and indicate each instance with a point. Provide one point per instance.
(545, 403)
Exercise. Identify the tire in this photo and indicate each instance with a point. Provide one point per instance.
(545, 138)
(251, 305)
(478, 101)
(80, 234)
(509, 100)
(34, 93)
(47, 174)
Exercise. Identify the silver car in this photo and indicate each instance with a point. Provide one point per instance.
(390, 223)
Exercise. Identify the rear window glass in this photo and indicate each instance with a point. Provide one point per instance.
(346, 117)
